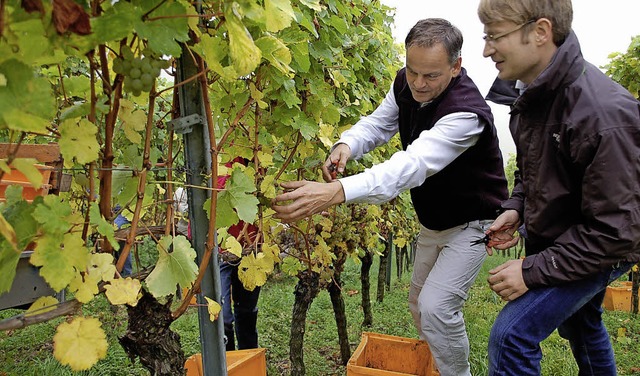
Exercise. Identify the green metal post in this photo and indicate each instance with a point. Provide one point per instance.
(198, 161)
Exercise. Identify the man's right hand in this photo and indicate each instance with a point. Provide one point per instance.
(338, 159)
(501, 231)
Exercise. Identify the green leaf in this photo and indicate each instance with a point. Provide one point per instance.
(215, 50)
(244, 53)
(313, 4)
(300, 53)
(164, 27)
(8, 263)
(275, 52)
(115, 23)
(240, 187)
(78, 141)
(60, 258)
(104, 228)
(225, 215)
(279, 14)
(26, 101)
(52, 214)
(176, 266)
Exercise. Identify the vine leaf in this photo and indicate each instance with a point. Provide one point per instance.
(9, 234)
(59, 267)
(253, 270)
(214, 308)
(26, 101)
(278, 14)
(237, 201)
(104, 228)
(123, 291)
(18, 214)
(276, 52)
(78, 141)
(232, 245)
(80, 343)
(27, 167)
(176, 266)
(52, 215)
(244, 53)
(133, 121)
(42, 305)
(165, 30)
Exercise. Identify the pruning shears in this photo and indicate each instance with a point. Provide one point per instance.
(483, 240)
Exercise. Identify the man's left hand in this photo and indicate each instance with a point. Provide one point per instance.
(307, 198)
(506, 280)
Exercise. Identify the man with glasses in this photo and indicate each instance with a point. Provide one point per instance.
(577, 192)
(452, 163)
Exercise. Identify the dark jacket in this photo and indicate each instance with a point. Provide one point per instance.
(577, 135)
(473, 185)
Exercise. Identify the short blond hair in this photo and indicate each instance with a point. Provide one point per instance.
(559, 12)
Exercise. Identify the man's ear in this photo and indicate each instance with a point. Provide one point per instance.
(457, 67)
(543, 31)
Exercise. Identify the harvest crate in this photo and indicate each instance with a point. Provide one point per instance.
(385, 355)
(251, 362)
(618, 298)
(29, 192)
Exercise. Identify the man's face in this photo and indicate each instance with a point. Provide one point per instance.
(511, 48)
(429, 71)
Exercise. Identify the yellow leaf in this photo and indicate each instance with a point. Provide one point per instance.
(271, 252)
(123, 291)
(253, 270)
(84, 286)
(214, 309)
(244, 53)
(80, 343)
(101, 264)
(41, 305)
(622, 332)
(27, 167)
(268, 186)
(232, 245)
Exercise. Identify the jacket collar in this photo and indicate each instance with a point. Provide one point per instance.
(565, 67)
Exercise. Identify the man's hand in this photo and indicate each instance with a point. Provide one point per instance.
(307, 198)
(335, 162)
(501, 231)
(506, 280)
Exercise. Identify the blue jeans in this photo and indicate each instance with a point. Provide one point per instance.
(244, 313)
(574, 308)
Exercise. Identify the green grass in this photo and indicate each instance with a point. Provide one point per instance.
(28, 351)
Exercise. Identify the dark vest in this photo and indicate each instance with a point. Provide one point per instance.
(473, 185)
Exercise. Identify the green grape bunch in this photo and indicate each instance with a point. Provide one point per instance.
(139, 72)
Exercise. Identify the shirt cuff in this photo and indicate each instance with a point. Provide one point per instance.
(353, 188)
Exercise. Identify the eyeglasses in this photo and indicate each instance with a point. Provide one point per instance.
(492, 38)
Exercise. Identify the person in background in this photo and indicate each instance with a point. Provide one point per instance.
(180, 209)
(451, 162)
(121, 221)
(577, 135)
(239, 305)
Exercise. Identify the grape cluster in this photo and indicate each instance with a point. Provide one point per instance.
(139, 72)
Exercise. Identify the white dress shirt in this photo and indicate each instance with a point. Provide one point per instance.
(432, 151)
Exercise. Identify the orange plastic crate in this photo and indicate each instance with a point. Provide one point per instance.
(618, 298)
(251, 362)
(29, 192)
(386, 355)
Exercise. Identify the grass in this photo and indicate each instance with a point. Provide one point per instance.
(28, 351)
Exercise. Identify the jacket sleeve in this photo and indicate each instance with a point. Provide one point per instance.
(609, 230)
(516, 201)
